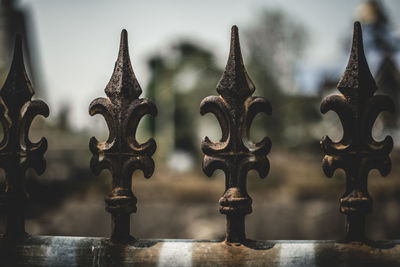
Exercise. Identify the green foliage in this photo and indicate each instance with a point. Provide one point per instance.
(274, 47)
(178, 82)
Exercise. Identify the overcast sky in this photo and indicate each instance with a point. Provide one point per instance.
(77, 41)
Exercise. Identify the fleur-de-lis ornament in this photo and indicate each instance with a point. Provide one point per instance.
(235, 153)
(121, 153)
(357, 152)
(17, 152)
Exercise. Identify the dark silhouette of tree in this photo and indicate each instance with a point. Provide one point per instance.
(379, 39)
(274, 46)
(178, 82)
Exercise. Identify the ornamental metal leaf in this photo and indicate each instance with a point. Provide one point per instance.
(121, 153)
(17, 152)
(357, 152)
(235, 153)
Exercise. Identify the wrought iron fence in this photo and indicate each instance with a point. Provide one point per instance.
(235, 153)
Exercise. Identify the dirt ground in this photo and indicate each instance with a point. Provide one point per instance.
(296, 201)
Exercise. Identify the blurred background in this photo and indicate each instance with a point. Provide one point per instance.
(295, 53)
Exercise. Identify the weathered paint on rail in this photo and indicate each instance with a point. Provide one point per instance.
(91, 251)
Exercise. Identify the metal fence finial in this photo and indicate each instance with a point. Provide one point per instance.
(121, 153)
(357, 152)
(17, 152)
(235, 153)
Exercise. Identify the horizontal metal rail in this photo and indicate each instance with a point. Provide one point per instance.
(93, 251)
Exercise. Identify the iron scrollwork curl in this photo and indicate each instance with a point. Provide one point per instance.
(357, 152)
(121, 153)
(235, 153)
(17, 152)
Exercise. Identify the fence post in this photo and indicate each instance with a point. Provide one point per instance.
(235, 153)
(17, 152)
(121, 153)
(357, 152)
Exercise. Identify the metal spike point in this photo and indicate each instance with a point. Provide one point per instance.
(235, 54)
(123, 53)
(357, 74)
(17, 89)
(18, 55)
(123, 84)
(235, 83)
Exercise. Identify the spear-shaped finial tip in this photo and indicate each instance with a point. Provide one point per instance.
(357, 79)
(235, 81)
(358, 45)
(235, 54)
(123, 46)
(123, 83)
(357, 28)
(124, 33)
(18, 46)
(17, 88)
(235, 31)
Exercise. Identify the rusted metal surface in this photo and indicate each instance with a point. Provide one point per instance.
(17, 152)
(357, 152)
(89, 251)
(235, 153)
(121, 153)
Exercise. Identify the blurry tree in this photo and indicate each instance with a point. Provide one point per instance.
(380, 40)
(274, 47)
(377, 27)
(63, 118)
(178, 82)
